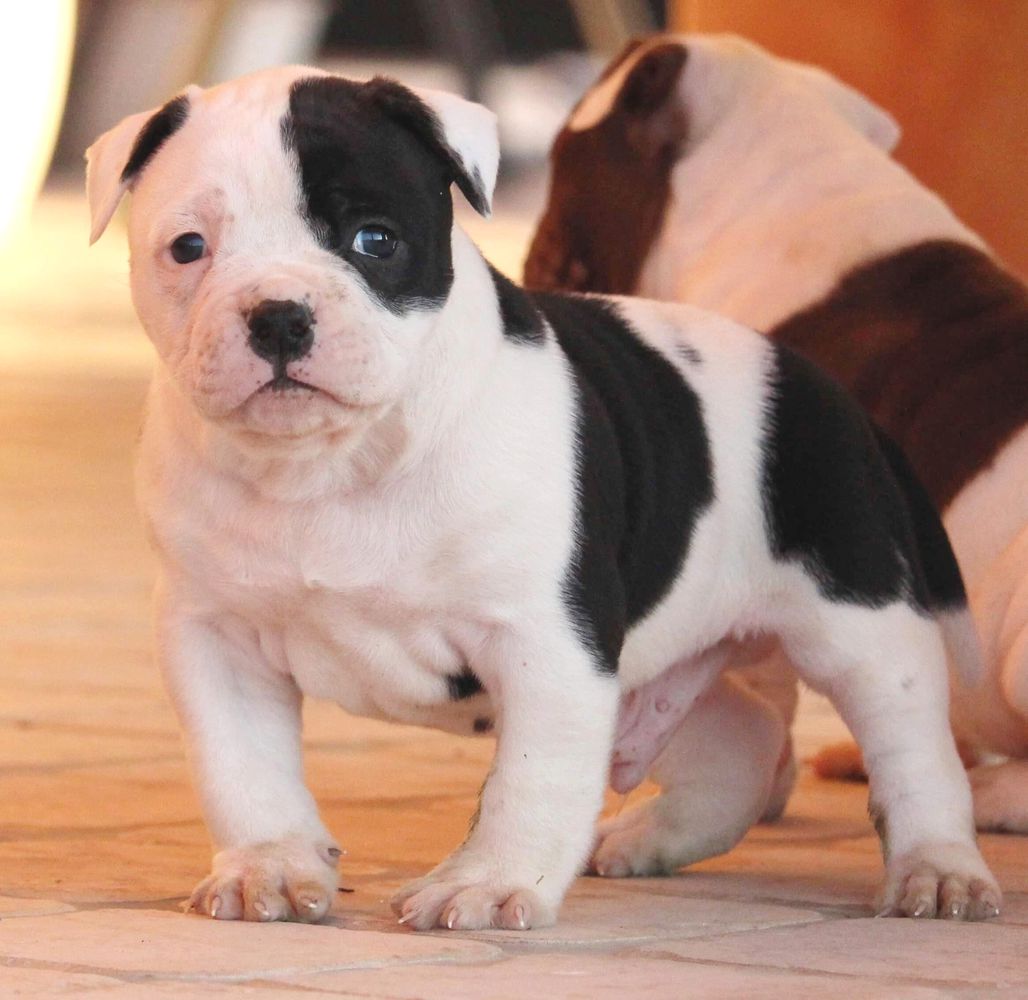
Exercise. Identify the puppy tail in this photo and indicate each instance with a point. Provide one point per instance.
(937, 584)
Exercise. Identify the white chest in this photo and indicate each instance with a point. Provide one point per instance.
(361, 604)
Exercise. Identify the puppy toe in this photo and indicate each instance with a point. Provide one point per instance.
(263, 902)
(920, 895)
(218, 898)
(470, 910)
(522, 910)
(954, 898)
(310, 901)
(423, 910)
(985, 900)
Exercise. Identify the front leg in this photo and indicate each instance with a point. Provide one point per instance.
(536, 818)
(274, 859)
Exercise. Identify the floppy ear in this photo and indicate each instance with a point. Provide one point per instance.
(462, 133)
(117, 158)
(105, 161)
(638, 86)
(651, 82)
(867, 117)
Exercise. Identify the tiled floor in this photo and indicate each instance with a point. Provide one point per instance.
(99, 832)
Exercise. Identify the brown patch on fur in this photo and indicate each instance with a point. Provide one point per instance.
(933, 341)
(610, 184)
(844, 761)
(839, 762)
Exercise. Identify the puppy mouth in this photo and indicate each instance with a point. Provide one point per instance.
(286, 387)
(282, 383)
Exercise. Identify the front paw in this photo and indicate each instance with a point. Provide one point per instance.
(950, 881)
(459, 905)
(291, 879)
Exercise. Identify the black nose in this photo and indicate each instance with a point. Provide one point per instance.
(280, 331)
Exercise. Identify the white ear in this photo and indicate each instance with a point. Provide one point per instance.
(105, 162)
(470, 132)
(867, 117)
(115, 160)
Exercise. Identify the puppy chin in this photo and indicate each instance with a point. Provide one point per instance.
(296, 412)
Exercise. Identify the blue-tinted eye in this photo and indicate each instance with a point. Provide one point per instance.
(187, 248)
(375, 241)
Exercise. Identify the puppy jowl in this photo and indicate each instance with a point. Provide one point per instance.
(376, 472)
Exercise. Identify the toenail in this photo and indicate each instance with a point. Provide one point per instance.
(215, 905)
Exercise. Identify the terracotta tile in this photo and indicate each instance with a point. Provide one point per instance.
(933, 952)
(171, 945)
(591, 977)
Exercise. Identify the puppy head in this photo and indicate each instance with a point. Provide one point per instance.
(654, 106)
(290, 238)
(610, 174)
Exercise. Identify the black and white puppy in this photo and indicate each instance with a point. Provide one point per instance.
(704, 169)
(375, 471)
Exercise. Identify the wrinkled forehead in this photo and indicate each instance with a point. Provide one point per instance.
(229, 147)
(265, 141)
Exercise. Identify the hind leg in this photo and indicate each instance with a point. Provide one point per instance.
(885, 671)
(716, 775)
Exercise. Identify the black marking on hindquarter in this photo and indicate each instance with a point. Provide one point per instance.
(463, 685)
(519, 316)
(644, 472)
(482, 725)
(155, 133)
(938, 586)
(840, 498)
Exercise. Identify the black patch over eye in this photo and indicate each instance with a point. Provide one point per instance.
(375, 241)
(187, 248)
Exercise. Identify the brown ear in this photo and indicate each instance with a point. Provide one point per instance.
(651, 82)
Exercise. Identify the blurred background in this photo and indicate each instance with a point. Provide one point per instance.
(954, 72)
(74, 571)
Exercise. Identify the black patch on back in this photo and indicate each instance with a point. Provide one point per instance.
(519, 316)
(155, 133)
(370, 154)
(644, 470)
(842, 503)
(463, 685)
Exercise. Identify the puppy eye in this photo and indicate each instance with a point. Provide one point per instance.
(375, 241)
(187, 248)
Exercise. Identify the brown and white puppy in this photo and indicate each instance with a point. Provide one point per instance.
(706, 170)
